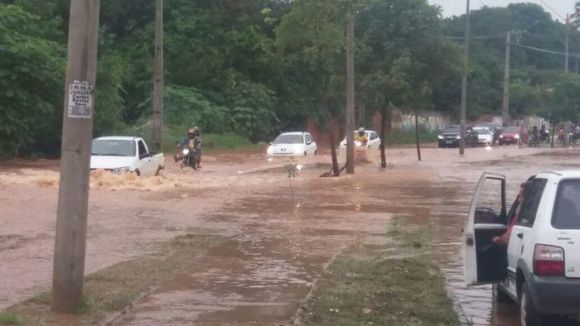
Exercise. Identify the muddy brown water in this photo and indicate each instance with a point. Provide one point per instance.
(277, 246)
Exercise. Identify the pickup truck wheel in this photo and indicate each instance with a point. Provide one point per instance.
(138, 173)
(529, 315)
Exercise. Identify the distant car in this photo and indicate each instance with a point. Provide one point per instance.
(293, 144)
(373, 137)
(120, 154)
(510, 135)
(484, 135)
(451, 136)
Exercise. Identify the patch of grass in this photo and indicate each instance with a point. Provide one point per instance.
(210, 141)
(114, 288)
(398, 285)
(9, 319)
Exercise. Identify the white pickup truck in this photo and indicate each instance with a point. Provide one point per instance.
(125, 154)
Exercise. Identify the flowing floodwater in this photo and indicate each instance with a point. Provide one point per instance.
(278, 241)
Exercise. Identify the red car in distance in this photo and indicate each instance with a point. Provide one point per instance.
(510, 135)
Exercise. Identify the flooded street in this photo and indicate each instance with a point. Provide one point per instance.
(277, 241)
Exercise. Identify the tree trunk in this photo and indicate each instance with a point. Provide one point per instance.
(553, 135)
(383, 122)
(350, 100)
(331, 138)
(417, 136)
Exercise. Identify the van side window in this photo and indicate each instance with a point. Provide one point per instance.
(566, 213)
(373, 135)
(532, 202)
(142, 149)
(308, 139)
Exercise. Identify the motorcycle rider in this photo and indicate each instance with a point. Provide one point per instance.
(544, 133)
(187, 142)
(534, 138)
(197, 142)
(361, 136)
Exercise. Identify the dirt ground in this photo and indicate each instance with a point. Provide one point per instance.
(278, 241)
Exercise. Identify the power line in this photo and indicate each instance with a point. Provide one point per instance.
(553, 10)
(576, 55)
(483, 37)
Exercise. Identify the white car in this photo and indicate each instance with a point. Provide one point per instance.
(374, 141)
(484, 135)
(540, 266)
(120, 154)
(293, 144)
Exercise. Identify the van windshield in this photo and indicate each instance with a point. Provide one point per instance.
(567, 207)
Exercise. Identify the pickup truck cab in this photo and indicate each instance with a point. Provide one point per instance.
(540, 267)
(120, 154)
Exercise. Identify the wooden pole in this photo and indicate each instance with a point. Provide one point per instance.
(464, 84)
(73, 196)
(159, 82)
(417, 136)
(350, 100)
(506, 81)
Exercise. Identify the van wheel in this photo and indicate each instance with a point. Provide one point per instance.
(500, 296)
(529, 315)
(305, 154)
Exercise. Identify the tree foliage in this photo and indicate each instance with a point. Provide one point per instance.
(257, 67)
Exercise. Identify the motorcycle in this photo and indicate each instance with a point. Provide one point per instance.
(545, 137)
(534, 141)
(573, 137)
(189, 159)
(561, 137)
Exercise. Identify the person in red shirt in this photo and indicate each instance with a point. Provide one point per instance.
(504, 238)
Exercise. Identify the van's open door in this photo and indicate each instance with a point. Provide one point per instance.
(484, 262)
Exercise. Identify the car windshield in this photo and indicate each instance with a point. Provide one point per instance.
(566, 213)
(289, 139)
(451, 129)
(111, 147)
(512, 130)
(482, 131)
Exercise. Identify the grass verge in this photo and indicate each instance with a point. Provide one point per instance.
(112, 289)
(8, 319)
(370, 285)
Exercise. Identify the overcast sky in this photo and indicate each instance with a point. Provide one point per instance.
(457, 7)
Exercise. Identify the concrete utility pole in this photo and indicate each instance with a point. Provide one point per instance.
(350, 100)
(566, 61)
(506, 80)
(464, 83)
(158, 87)
(73, 196)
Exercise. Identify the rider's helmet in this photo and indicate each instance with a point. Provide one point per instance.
(191, 132)
(361, 131)
(196, 131)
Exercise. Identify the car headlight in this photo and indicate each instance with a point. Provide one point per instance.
(120, 171)
(458, 137)
(517, 136)
(500, 136)
(185, 151)
(440, 136)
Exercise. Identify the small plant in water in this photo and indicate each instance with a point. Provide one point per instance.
(293, 170)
